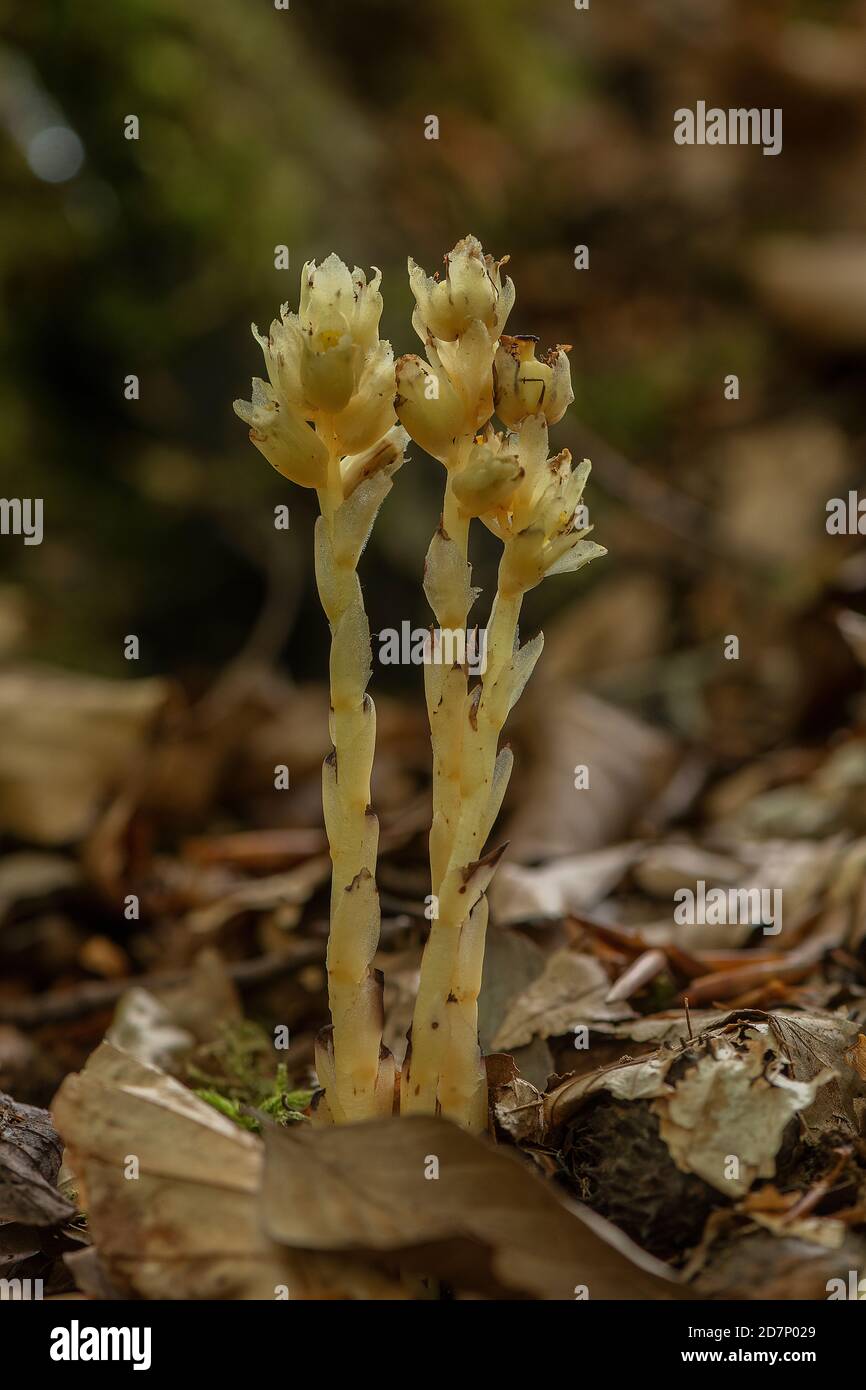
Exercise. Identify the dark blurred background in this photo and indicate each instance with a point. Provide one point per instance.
(261, 127)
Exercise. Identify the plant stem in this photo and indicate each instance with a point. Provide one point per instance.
(355, 1085)
(446, 698)
(446, 692)
(444, 1031)
(463, 1080)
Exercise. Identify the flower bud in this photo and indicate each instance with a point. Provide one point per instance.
(337, 327)
(335, 301)
(472, 289)
(522, 567)
(547, 537)
(282, 354)
(328, 369)
(427, 405)
(288, 443)
(524, 385)
(487, 481)
(467, 366)
(370, 412)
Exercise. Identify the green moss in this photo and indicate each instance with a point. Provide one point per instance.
(237, 1075)
(231, 1108)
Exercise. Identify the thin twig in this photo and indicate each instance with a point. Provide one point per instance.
(810, 1199)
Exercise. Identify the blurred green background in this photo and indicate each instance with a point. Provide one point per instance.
(305, 127)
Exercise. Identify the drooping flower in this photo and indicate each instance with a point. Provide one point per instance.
(288, 443)
(369, 413)
(526, 385)
(428, 406)
(537, 512)
(337, 302)
(327, 363)
(472, 290)
(339, 324)
(486, 484)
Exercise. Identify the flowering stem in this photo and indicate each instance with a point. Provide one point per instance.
(446, 691)
(356, 1086)
(446, 698)
(463, 1081)
(445, 1069)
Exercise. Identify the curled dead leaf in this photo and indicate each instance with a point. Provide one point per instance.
(189, 1226)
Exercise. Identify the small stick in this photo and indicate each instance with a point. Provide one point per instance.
(810, 1199)
(636, 975)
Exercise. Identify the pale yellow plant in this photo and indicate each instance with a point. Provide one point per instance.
(325, 420)
(531, 504)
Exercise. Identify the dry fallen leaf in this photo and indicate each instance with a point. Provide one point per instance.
(30, 1154)
(511, 963)
(817, 1044)
(69, 742)
(731, 1105)
(285, 893)
(729, 1092)
(188, 1227)
(571, 991)
(446, 1203)
(664, 868)
(857, 1056)
(161, 1028)
(143, 1027)
(629, 763)
(517, 1106)
(575, 883)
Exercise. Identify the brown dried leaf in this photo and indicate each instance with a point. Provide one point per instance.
(629, 763)
(731, 1104)
(486, 1222)
(817, 1044)
(856, 1056)
(511, 963)
(576, 883)
(285, 893)
(189, 1226)
(518, 1107)
(69, 742)
(30, 1155)
(161, 1028)
(571, 991)
(735, 1088)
